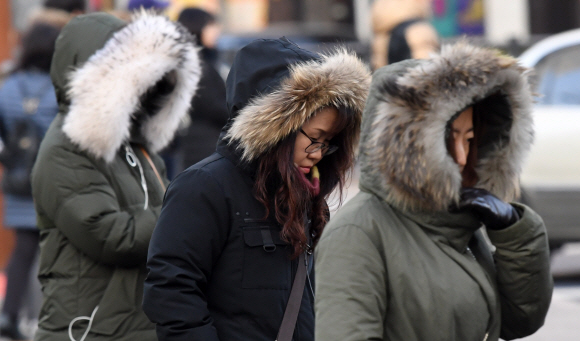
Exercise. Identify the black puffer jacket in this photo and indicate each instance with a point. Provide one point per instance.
(210, 275)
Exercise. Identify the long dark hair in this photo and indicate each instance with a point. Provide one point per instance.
(279, 185)
(38, 47)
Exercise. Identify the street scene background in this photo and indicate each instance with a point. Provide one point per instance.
(551, 182)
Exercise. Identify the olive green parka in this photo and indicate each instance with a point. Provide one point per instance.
(393, 264)
(97, 193)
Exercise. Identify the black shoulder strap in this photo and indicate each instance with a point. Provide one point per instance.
(293, 307)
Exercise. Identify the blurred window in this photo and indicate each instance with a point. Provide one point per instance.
(558, 77)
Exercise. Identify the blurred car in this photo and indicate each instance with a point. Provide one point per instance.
(551, 175)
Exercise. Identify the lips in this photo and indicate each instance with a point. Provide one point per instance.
(305, 170)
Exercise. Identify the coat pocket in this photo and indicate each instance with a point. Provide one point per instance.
(267, 262)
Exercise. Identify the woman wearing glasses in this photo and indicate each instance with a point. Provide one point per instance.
(237, 227)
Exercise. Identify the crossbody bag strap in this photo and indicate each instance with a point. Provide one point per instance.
(293, 307)
(153, 166)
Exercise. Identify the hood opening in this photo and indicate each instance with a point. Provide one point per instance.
(404, 157)
(153, 100)
(492, 120)
(274, 86)
(494, 114)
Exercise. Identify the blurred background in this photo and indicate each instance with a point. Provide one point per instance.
(544, 34)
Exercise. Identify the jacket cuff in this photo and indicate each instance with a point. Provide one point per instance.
(529, 225)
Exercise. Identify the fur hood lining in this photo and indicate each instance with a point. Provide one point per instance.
(105, 91)
(337, 79)
(407, 135)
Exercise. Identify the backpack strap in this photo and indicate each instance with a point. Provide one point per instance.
(30, 103)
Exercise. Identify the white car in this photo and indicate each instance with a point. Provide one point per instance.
(551, 175)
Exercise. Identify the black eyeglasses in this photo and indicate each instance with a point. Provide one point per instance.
(316, 146)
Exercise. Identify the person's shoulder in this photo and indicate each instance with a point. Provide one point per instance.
(209, 166)
(370, 215)
(362, 212)
(56, 146)
(206, 171)
(360, 206)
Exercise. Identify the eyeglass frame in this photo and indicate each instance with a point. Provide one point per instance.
(321, 146)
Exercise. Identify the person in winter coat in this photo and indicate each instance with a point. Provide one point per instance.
(98, 183)
(209, 112)
(27, 106)
(402, 31)
(236, 227)
(443, 141)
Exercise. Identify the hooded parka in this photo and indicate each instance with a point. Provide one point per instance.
(394, 264)
(97, 193)
(218, 267)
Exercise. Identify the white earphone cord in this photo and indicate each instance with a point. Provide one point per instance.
(81, 318)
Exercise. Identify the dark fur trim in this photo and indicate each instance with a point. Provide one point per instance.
(406, 143)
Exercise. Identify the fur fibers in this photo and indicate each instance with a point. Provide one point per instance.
(337, 79)
(105, 91)
(408, 132)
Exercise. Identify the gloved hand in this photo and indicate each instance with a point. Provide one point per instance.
(493, 212)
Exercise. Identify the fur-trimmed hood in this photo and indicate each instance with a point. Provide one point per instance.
(404, 158)
(274, 87)
(102, 70)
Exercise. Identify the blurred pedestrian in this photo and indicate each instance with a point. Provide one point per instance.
(154, 5)
(208, 108)
(402, 31)
(59, 12)
(98, 183)
(73, 7)
(442, 146)
(239, 226)
(27, 106)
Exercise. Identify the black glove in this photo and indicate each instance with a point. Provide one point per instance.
(494, 213)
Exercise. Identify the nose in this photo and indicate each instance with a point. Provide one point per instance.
(317, 155)
(460, 153)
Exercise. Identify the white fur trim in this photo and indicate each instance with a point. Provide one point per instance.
(105, 92)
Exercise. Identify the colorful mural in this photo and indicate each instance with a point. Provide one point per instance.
(457, 17)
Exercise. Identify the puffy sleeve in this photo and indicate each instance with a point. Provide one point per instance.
(71, 192)
(187, 241)
(523, 274)
(341, 275)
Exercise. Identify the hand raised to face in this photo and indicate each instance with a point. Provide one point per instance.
(493, 212)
